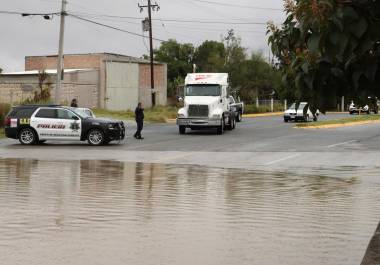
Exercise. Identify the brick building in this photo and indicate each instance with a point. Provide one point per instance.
(103, 80)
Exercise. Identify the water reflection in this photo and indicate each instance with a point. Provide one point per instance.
(69, 212)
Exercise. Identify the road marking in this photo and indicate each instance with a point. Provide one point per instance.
(338, 144)
(282, 159)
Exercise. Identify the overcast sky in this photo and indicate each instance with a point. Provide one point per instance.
(23, 36)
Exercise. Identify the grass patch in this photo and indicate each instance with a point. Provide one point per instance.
(156, 114)
(343, 121)
(252, 109)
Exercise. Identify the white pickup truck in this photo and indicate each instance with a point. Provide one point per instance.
(206, 103)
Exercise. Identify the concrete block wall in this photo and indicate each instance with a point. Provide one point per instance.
(85, 61)
(15, 89)
(86, 94)
(13, 93)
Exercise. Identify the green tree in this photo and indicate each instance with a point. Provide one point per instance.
(210, 57)
(254, 77)
(235, 58)
(328, 48)
(234, 52)
(179, 58)
(249, 76)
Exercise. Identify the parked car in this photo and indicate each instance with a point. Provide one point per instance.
(300, 112)
(237, 107)
(33, 124)
(353, 109)
(371, 106)
(290, 113)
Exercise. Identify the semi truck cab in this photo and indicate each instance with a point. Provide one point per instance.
(206, 103)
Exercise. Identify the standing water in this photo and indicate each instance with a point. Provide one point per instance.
(109, 212)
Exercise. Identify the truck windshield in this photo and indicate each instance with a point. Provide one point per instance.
(203, 90)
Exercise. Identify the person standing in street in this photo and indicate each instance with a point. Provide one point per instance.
(139, 116)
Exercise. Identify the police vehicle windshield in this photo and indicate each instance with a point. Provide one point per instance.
(80, 113)
(203, 90)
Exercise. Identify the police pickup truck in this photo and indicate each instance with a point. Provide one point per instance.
(34, 124)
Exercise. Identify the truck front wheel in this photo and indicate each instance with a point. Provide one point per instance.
(182, 129)
(220, 129)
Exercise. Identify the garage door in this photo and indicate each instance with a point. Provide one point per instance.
(121, 85)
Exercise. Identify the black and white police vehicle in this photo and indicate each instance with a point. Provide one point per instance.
(34, 124)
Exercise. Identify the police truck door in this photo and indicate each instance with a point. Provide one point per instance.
(58, 124)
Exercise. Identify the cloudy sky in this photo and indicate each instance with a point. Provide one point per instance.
(190, 21)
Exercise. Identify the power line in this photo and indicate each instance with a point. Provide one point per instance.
(106, 18)
(180, 20)
(112, 27)
(215, 22)
(10, 12)
(237, 5)
(29, 14)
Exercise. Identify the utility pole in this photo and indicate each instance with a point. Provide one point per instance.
(60, 67)
(154, 7)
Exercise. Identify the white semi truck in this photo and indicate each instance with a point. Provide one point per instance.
(206, 103)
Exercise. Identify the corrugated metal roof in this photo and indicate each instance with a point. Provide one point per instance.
(121, 56)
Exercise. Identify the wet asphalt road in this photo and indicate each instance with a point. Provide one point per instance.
(347, 155)
(265, 143)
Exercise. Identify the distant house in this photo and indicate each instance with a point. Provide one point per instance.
(101, 80)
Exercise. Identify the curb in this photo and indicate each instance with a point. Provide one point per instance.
(262, 114)
(333, 126)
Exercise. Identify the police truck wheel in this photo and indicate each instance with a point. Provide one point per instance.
(182, 129)
(27, 136)
(95, 137)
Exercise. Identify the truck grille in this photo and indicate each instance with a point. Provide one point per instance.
(198, 110)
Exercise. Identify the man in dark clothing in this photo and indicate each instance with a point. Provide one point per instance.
(74, 103)
(139, 116)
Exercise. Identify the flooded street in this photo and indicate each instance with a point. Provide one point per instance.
(109, 212)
